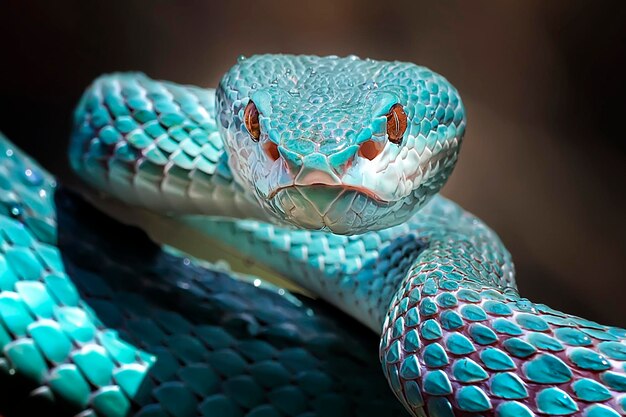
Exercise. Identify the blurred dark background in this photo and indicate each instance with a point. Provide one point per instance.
(545, 151)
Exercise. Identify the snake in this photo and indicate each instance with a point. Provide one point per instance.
(323, 170)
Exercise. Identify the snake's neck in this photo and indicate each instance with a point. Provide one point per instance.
(361, 273)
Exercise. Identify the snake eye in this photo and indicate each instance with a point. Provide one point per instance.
(251, 120)
(396, 124)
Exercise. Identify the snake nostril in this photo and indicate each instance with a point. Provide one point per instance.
(271, 149)
(371, 149)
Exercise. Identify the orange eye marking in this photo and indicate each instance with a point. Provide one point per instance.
(396, 123)
(251, 120)
(271, 149)
(370, 149)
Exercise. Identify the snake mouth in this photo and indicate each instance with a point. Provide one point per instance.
(333, 208)
(328, 190)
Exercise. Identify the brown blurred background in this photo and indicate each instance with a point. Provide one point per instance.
(543, 83)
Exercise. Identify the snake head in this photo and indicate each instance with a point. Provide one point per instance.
(344, 145)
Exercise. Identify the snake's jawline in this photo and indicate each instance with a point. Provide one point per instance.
(343, 187)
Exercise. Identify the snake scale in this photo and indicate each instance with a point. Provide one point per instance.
(326, 171)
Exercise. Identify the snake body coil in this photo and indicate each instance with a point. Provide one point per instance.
(325, 170)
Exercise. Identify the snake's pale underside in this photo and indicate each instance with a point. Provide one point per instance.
(321, 170)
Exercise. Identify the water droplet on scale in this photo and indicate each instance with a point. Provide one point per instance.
(241, 58)
(15, 210)
(33, 177)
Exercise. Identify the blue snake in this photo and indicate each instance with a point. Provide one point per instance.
(321, 170)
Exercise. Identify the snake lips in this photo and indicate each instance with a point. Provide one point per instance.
(322, 202)
(321, 207)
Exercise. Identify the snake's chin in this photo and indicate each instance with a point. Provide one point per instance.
(337, 209)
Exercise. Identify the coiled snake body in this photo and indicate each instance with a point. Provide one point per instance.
(325, 170)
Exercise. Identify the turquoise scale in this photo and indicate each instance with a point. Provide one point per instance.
(467, 371)
(588, 359)
(519, 348)
(436, 383)
(600, 410)
(473, 313)
(451, 320)
(509, 386)
(482, 334)
(472, 399)
(496, 360)
(613, 350)
(572, 337)
(431, 330)
(411, 368)
(554, 401)
(547, 369)
(459, 344)
(507, 327)
(435, 356)
(590, 390)
(513, 409)
(544, 342)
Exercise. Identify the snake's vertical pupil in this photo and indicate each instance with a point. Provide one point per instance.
(251, 120)
(396, 123)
